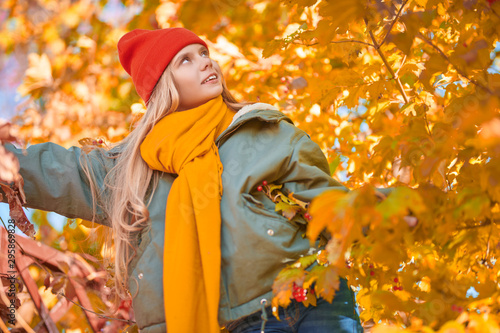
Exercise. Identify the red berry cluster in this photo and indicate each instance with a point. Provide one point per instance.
(457, 308)
(260, 188)
(97, 142)
(299, 293)
(396, 287)
(372, 273)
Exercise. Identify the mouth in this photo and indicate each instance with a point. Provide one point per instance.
(212, 77)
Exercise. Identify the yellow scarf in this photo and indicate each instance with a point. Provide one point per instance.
(183, 143)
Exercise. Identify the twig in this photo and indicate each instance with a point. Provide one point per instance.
(459, 71)
(3, 326)
(401, 66)
(20, 247)
(338, 42)
(19, 318)
(128, 321)
(393, 22)
(488, 244)
(389, 68)
(492, 10)
(351, 41)
(486, 223)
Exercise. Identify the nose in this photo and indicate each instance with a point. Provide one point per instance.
(205, 63)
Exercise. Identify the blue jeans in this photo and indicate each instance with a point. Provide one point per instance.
(339, 316)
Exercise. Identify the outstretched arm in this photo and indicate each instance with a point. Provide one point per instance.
(54, 179)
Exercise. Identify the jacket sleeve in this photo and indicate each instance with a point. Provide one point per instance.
(308, 172)
(54, 179)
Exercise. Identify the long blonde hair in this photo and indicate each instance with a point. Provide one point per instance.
(123, 198)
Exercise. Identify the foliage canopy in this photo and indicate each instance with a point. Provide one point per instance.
(401, 94)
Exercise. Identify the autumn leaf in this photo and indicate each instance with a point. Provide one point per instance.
(327, 282)
(408, 101)
(38, 75)
(287, 210)
(9, 166)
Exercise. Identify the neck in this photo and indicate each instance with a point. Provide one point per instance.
(209, 103)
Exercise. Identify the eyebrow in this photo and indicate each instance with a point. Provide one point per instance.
(182, 55)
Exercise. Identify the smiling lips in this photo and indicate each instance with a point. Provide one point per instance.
(211, 77)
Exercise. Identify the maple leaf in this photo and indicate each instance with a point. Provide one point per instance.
(287, 210)
(327, 281)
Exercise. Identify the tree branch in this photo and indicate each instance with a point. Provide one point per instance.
(97, 314)
(484, 223)
(393, 22)
(459, 71)
(389, 68)
(338, 42)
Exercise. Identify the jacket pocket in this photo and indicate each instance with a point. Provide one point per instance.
(259, 208)
(254, 255)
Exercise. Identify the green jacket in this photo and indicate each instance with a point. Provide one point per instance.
(260, 144)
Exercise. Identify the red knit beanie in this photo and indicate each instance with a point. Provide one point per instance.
(145, 54)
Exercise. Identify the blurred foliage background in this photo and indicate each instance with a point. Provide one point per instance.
(401, 94)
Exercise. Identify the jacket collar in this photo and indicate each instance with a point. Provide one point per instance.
(247, 108)
(261, 111)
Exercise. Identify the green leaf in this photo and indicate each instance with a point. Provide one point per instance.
(287, 210)
(307, 261)
(334, 164)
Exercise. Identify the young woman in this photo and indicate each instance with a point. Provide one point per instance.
(197, 245)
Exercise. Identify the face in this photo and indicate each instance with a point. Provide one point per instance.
(197, 77)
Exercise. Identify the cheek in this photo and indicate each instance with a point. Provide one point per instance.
(183, 85)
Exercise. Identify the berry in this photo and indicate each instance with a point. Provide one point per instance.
(371, 265)
(100, 141)
(259, 188)
(94, 142)
(299, 293)
(264, 183)
(283, 79)
(396, 280)
(307, 216)
(372, 273)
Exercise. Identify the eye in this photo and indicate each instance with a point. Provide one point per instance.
(186, 58)
(205, 53)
